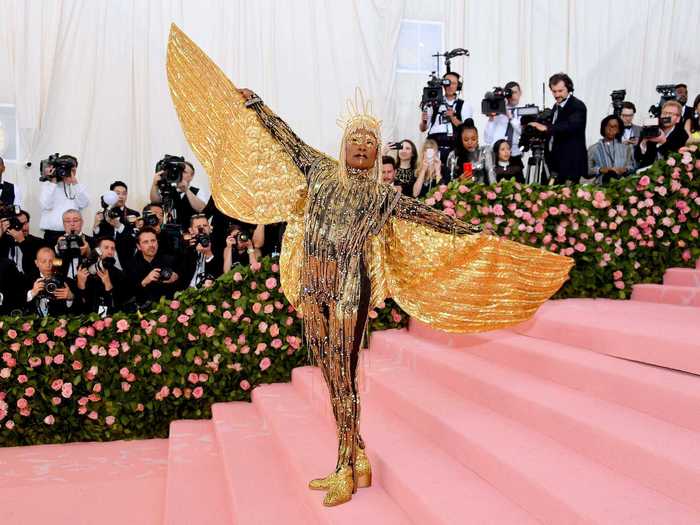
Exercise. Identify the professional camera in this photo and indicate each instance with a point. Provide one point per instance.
(53, 283)
(165, 274)
(62, 167)
(202, 238)
(11, 213)
(652, 127)
(495, 101)
(667, 92)
(94, 263)
(172, 168)
(531, 138)
(150, 220)
(203, 278)
(68, 246)
(108, 202)
(433, 96)
(618, 97)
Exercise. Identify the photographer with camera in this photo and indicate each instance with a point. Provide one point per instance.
(10, 195)
(101, 287)
(441, 117)
(60, 191)
(239, 248)
(658, 141)
(202, 258)
(72, 245)
(51, 293)
(506, 125)
(151, 274)
(16, 243)
(631, 131)
(566, 154)
(115, 218)
(172, 188)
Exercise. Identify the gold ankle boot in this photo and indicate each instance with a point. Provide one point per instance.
(341, 488)
(363, 472)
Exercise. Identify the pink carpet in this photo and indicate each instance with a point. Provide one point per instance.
(589, 413)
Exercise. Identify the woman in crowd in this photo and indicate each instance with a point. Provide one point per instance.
(429, 169)
(692, 125)
(504, 167)
(407, 163)
(609, 158)
(468, 159)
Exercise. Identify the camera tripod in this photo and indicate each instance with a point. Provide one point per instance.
(537, 170)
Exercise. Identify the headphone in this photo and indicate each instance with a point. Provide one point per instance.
(459, 79)
(563, 77)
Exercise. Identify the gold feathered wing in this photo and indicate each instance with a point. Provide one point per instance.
(465, 283)
(252, 177)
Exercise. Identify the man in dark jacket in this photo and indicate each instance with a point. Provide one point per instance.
(101, 287)
(566, 155)
(151, 275)
(671, 137)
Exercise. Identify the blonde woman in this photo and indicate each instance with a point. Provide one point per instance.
(429, 172)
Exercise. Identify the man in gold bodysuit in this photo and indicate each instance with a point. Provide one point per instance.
(346, 203)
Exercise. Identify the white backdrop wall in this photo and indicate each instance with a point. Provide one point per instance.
(88, 76)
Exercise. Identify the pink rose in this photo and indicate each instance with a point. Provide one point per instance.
(182, 318)
(58, 359)
(236, 294)
(93, 415)
(67, 390)
(5, 373)
(29, 391)
(617, 275)
(12, 334)
(372, 314)
(271, 283)
(198, 392)
(174, 305)
(56, 401)
(262, 327)
(265, 363)
(122, 325)
(124, 372)
(245, 385)
(257, 307)
(619, 285)
(109, 420)
(42, 338)
(22, 403)
(113, 351)
(156, 368)
(255, 267)
(81, 342)
(192, 378)
(276, 344)
(260, 348)
(21, 379)
(162, 331)
(49, 420)
(203, 378)
(211, 308)
(237, 277)
(57, 384)
(59, 331)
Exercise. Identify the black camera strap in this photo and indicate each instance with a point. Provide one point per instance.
(457, 105)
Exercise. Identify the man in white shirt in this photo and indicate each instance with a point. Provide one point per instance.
(441, 123)
(60, 193)
(507, 126)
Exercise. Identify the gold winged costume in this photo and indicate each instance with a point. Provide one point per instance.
(350, 241)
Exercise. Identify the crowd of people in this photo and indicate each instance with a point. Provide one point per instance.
(179, 240)
(455, 149)
(129, 258)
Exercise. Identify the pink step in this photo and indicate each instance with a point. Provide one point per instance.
(682, 277)
(196, 489)
(667, 294)
(423, 479)
(258, 488)
(665, 394)
(84, 483)
(309, 449)
(659, 334)
(660, 455)
(547, 479)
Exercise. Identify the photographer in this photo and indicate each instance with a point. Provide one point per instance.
(101, 287)
(239, 248)
(632, 131)
(186, 199)
(119, 218)
(72, 245)
(10, 195)
(12, 288)
(202, 260)
(566, 155)
(18, 245)
(609, 158)
(671, 136)
(151, 274)
(441, 122)
(500, 126)
(60, 191)
(52, 293)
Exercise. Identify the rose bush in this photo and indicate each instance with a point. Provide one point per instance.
(130, 375)
(624, 233)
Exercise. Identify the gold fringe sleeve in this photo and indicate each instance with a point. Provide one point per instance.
(466, 283)
(253, 178)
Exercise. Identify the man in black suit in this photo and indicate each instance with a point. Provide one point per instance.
(102, 287)
(682, 98)
(68, 251)
(19, 245)
(46, 296)
(672, 136)
(566, 156)
(151, 274)
(203, 259)
(631, 132)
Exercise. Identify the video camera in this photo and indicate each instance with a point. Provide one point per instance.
(617, 97)
(531, 138)
(68, 246)
(667, 92)
(433, 96)
(494, 101)
(62, 167)
(11, 213)
(172, 167)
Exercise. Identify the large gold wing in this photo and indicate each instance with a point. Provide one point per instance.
(466, 283)
(252, 177)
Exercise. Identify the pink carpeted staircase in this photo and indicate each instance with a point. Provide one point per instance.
(589, 413)
(681, 286)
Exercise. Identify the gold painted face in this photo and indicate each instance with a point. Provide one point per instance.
(361, 149)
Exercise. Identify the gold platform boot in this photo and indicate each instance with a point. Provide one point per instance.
(363, 471)
(341, 488)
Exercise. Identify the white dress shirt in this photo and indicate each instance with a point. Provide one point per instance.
(56, 198)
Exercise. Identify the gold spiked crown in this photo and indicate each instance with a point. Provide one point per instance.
(358, 115)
